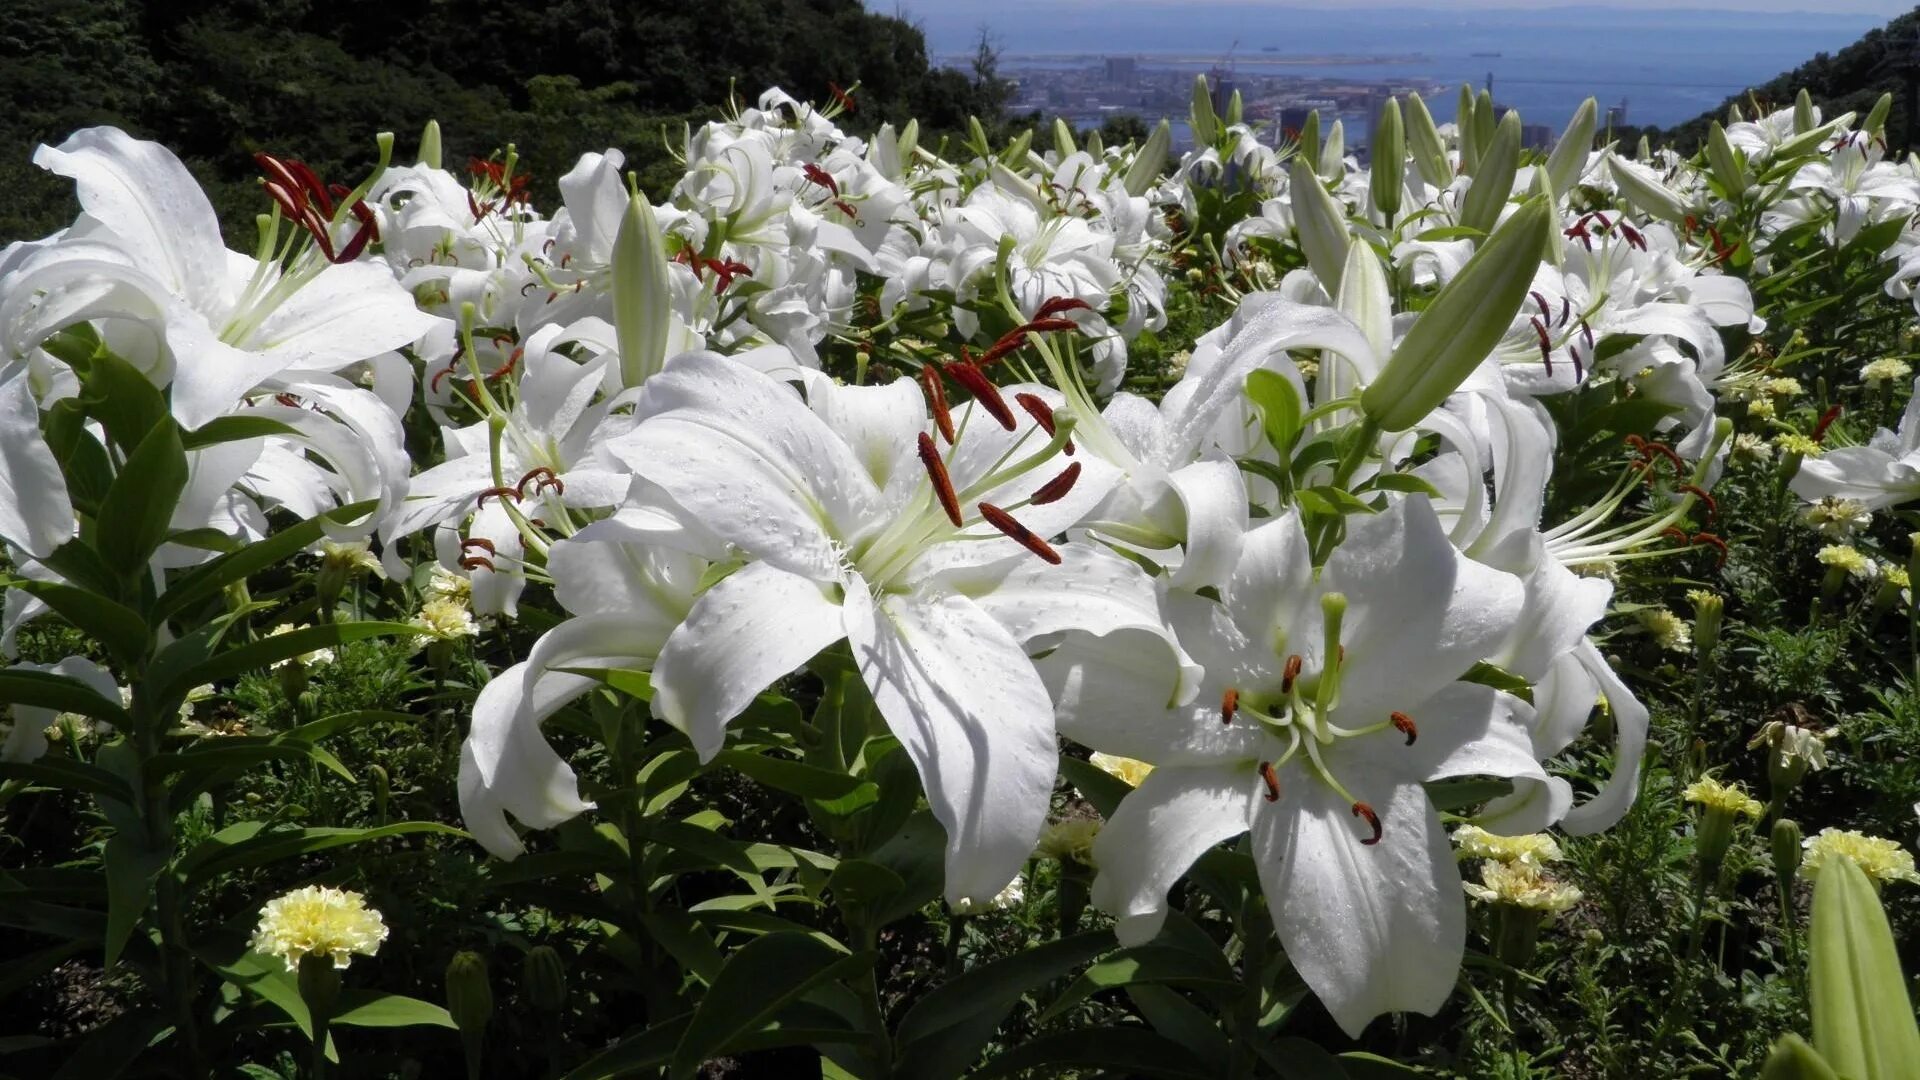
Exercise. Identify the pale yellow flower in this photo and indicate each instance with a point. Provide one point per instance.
(444, 584)
(1885, 369)
(1844, 557)
(1123, 767)
(1670, 631)
(1012, 896)
(1795, 443)
(319, 921)
(1783, 387)
(1728, 798)
(353, 556)
(1882, 860)
(446, 619)
(1534, 849)
(1837, 518)
(1761, 408)
(1070, 840)
(1750, 446)
(1522, 885)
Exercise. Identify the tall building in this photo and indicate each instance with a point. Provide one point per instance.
(1536, 136)
(1223, 88)
(1120, 70)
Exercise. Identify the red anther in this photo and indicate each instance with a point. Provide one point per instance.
(1042, 414)
(1826, 421)
(528, 287)
(937, 401)
(1048, 326)
(1229, 705)
(1715, 543)
(280, 173)
(1008, 343)
(1652, 449)
(1634, 239)
(1546, 344)
(983, 391)
(1579, 370)
(822, 177)
(286, 200)
(1056, 489)
(291, 401)
(513, 361)
(1289, 673)
(1545, 311)
(1019, 533)
(942, 483)
(542, 478)
(1271, 779)
(498, 493)
(1058, 304)
(1722, 251)
(433, 384)
(1713, 508)
(547, 248)
(1404, 725)
(1677, 535)
(479, 211)
(1586, 333)
(1638, 444)
(1688, 226)
(844, 98)
(475, 562)
(724, 271)
(1362, 810)
(846, 208)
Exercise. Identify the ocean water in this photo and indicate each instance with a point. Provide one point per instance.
(1668, 66)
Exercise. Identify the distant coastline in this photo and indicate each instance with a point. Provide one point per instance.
(1184, 59)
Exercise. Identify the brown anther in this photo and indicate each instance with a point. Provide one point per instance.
(1546, 344)
(1362, 810)
(480, 542)
(542, 479)
(937, 401)
(1229, 705)
(1019, 533)
(1579, 370)
(1678, 536)
(476, 562)
(1713, 508)
(292, 401)
(498, 493)
(1663, 450)
(1545, 312)
(1008, 342)
(1826, 421)
(1048, 326)
(942, 483)
(1271, 779)
(983, 391)
(1037, 409)
(1290, 673)
(1715, 543)
(1058, 304)
(1404, 725)
(1056, 489)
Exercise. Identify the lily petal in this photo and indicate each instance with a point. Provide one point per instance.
(1171, 819)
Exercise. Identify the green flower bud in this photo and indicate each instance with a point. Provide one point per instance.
(1802, 112)
(1793, 1059)
(1145, 170)
(1862, 1017)
(469, 994)
(1200, 115)
(1709, 613)
(543, 978)
(430, 145)
(1493, 180)
(1320, 222)
(1725, 162)
(1429, 151)
(1569, 155)
(1063, 143)
(642, 293)
(1876, 121)
(1462, 324)
(1389, 160)
(1785, 845)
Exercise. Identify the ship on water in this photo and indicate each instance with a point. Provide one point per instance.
(1491, 55)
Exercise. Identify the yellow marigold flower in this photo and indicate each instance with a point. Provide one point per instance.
(1895, 576)
(1882, 860)
(1729, 798)
(1761, 408)
(446, 619)
(319, 921)
(1796, 443)
(1534, 849)
(1521, 885)
(1177, 363)
(444, 584)
(1669, 630)
(354, 557)
(1070, 840)
(1845, 557)
(1783, 387)
(1750, 446)
(1837, 518)
(1885, 369)
(1123, 767)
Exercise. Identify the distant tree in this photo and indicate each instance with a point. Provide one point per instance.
(1122, 129)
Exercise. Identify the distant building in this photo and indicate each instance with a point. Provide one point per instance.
(1536, 136)
(1617, 114)
(1223, 89)
(1121, 70)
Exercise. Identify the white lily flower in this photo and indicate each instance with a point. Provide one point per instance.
(1339, 698)
(1883, 473)
(852, 538)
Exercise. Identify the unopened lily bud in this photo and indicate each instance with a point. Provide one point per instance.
(1389, 161)
(1321, 223)
(1793, 1059)
(429, 154)
(1201, 119)
(1464, 322)
(1493, 180)
(642, 293)
(1429, 150)
(1725, 162)
(1569, 157)
(1785, 845)
(1803, 112)
(1145, 170)
(543, 976)
(1876, 122)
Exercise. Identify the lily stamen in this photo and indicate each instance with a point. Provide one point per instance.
(937, 401)
(1057, 488)
(1362, 810)
(1018, 533)
(984, 392)
(1271, 779)
(1229, 704)
(942, 483)
(1405, 725)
